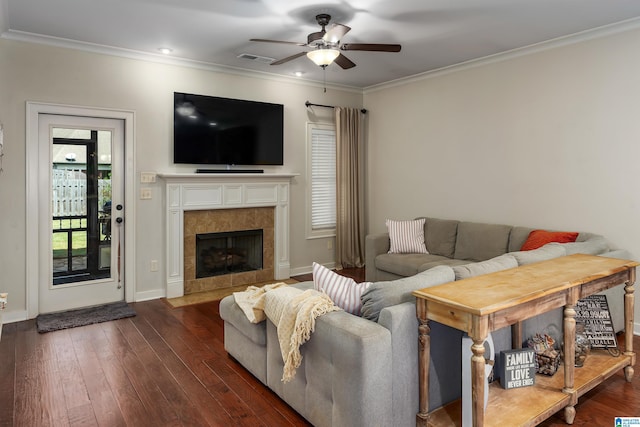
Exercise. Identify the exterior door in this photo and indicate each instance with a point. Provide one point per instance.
(81, 220)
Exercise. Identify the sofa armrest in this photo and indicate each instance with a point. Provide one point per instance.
(375, 244)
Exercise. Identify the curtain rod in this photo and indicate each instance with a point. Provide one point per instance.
(309, 104)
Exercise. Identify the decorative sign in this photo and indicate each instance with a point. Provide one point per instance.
(593, 312)
(517, 368)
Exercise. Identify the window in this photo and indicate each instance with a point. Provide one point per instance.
(321, 174)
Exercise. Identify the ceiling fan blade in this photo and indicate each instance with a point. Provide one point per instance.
(372, 47)
(277, 41)
(335, 33)
(344, 62)
(288, 58)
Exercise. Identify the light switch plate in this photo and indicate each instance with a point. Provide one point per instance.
(147, 177)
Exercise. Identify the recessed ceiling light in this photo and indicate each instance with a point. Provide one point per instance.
(298, 73)
(165, 50)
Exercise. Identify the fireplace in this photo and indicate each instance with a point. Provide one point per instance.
(228, 252)
(220, 203)
(224, 248)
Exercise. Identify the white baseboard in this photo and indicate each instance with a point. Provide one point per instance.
(149, 295)
(308, 269)
(300, 270)
(14, 316)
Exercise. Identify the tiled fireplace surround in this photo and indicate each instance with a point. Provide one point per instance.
(220, 220)
(210, 203)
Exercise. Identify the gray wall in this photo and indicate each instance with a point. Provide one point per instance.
(31, 72)
(548, 139)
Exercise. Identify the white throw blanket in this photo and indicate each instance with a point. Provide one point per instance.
(294, 313)
(251, 301)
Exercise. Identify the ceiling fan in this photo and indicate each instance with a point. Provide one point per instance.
(327, 46)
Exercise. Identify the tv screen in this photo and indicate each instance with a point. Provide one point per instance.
(222, 131)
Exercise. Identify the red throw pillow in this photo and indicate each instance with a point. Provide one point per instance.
(538, 238)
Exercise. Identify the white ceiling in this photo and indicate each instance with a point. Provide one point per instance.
(433, 33)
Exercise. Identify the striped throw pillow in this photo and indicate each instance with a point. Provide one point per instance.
(406, 237)
(343, 291)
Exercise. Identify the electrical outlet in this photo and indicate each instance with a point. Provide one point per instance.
(147, 177)
(329, 244)
(153, 265)
(145, 193)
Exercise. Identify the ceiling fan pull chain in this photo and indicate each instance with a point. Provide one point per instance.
(324, 78)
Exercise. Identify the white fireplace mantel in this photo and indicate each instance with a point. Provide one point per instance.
(184, 192)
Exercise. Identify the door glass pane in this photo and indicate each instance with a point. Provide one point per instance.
(81, 204)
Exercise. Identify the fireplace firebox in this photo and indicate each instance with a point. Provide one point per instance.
(228, 252)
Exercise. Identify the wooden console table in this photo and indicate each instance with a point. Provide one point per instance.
(485, 303)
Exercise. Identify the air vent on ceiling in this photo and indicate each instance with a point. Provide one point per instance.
(258, 58)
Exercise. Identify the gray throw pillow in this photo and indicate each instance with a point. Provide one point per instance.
(384, 294)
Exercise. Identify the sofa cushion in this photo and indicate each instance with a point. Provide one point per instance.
(585, 236)
(480, 241)
(343, 291)
(451, 262)
(517, 237)
(440, 236)
(385, 294)
(498, 263)
(405, 264)
(541, 254)
(406, 236)
(539, 238)
(595, 246)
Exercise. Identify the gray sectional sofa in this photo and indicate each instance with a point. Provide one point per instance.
(362, 371)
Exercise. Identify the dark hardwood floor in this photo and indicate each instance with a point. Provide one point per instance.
(168, 367)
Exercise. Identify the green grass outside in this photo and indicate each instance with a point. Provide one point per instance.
(78, 239)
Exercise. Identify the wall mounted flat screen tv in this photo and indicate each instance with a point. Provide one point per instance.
(208, 130)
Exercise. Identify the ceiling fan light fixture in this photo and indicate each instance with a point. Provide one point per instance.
(323, 57)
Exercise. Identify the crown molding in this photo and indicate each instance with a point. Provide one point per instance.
(582, 36)
(22, 36)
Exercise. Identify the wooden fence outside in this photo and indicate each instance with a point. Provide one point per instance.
(69, 192)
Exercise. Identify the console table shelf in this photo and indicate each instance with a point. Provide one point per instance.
(485, 303)
(529, 406)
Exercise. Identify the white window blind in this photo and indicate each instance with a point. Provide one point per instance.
(323, 178)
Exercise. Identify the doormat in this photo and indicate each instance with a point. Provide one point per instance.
(83, 316)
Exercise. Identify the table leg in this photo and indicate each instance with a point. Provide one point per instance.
(569, 361)
(478, 363)
(628, 322)
(424, 355)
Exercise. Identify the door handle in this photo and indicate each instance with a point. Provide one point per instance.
(119, 207)
(119, 220)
